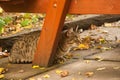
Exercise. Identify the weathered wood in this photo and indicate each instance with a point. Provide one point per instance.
(76, 7)
(54, 21)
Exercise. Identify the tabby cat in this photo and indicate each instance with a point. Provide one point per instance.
(24, 48)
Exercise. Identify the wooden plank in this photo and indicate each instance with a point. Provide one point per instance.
(53, 25)
(11, 2)
(76, 7)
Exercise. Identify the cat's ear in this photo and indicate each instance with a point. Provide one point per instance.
(76, 28)
(70, 31)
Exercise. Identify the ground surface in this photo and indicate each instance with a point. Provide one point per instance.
(93, 64)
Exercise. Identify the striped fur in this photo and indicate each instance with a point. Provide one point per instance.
(24, 48)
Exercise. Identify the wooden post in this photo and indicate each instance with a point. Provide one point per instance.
(49, 37)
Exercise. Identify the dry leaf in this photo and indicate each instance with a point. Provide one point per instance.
(87, 61)
(39, 79)
(104, 31)
(83, 46)
(64, 73)
(58, 71)
(35, 66)
(1, 76)
(21, 71)
(107, 24)
(3, 70)
(98, 58)
(46, 76)
(89, 74)
(79, 73)
(74, 79)
(116, 67)
(100, 69)
(93, 27)
(1, 10)
(42, 68)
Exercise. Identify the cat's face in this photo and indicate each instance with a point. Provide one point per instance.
(73, 36)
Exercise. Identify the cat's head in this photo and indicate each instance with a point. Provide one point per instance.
(73, 35)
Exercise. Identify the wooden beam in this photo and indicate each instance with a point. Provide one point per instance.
(76, 7)
(48, 41)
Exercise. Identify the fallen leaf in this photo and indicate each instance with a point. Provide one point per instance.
(46, 76)
(106, 48)
(21, 71)
(74, 79)
(79, 73)
(100, 59)
(93, 27)
(83, 46)
(1, 76)
(42, 68)
(89, 74)
(64, 73)
(97, 58)
(102, 41)
(104, 31)
(107, 24)
(35, 66)
(116, 67)
(101, 68)
(1, 10)
(58, 71)
(2, 70)
(87, 61)
(39, 79)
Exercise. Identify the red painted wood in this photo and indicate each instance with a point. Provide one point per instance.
(76, 7)
(48, 41)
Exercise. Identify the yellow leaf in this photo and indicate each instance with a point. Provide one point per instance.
(2, 76)
(89, 74)
(29, 26)
(46, 76)
(35, 66)
(98, 58)
(1, 10)
(58, 71)
(83, 46)
(1, 70)
(100, 69)
(87, 61)
(42, 68)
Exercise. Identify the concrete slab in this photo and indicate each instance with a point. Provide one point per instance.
(109, 73)
(111, 55)
(14, 70)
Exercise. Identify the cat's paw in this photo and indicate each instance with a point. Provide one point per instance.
(18, 61)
